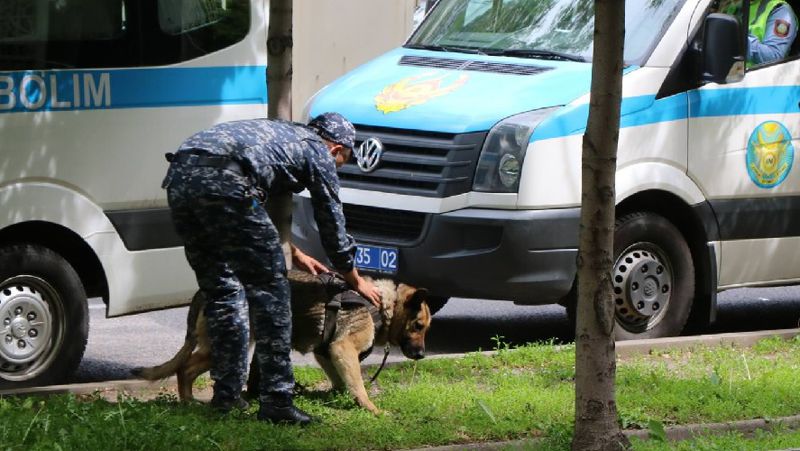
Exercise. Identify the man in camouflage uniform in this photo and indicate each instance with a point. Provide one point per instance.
(217, 186)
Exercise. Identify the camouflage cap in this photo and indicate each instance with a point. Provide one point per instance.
(334, 127)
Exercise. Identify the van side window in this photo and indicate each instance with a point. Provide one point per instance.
(61, 21)
(55, 34)
(187, 29)
(176, 17)
(44, 34)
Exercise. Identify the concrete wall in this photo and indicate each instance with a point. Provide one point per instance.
(333, 36)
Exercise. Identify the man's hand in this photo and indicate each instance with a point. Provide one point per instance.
(365, 288)
(306, 262)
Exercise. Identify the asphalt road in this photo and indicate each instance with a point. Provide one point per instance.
(120, 344)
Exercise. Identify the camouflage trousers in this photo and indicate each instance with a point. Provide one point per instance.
(235, 252)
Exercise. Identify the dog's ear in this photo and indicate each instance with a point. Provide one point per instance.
(419, 296)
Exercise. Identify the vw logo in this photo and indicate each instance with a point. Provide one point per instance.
(368, 154)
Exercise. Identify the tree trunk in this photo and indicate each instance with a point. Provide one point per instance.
(279, 59)
(279, 99)
(279, 93)
(596, 422)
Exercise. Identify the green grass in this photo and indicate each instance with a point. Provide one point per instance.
(761, 440)
(513, 394)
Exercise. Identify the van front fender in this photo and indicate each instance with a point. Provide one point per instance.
(649, 176)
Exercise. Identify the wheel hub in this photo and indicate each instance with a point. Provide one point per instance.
(642, 287)
(18, 328)
(25, 324)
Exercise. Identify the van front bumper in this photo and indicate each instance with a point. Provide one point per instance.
(527, 256)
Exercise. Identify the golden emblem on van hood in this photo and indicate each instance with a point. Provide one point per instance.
(770, 154)
(416, 90)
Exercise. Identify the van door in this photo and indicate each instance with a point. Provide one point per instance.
(742, 141)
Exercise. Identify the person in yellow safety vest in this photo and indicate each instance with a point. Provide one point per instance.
(772, 29)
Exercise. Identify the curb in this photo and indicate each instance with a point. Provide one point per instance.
(745, 339)
(746, 427)
(672, 433)
(623, 349)
(126, 385)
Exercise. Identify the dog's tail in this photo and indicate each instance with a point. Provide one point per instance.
(171, 366)
(168, 368)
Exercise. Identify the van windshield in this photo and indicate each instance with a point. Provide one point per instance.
(550, 29)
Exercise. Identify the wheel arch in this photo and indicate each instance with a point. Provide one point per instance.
(697, 226)
(66, 243)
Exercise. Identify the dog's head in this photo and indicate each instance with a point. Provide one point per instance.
(412, 321)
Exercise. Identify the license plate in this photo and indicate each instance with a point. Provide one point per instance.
(377, 258)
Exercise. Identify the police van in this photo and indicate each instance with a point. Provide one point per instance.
(93, 93)
(467, 177)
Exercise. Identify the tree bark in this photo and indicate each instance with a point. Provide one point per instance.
(279, 96)
(596, 419)
(279, 59)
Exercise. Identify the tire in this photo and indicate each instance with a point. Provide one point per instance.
(653, 279)
(436, 303)
(44, 320)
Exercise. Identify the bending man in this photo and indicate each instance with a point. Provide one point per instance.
(217, 185)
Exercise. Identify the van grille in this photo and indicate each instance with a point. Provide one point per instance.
(383, 225)
(472, 65)
(417, 163)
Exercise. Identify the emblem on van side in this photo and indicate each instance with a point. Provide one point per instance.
(368, 154)
(416, 90)
(770, 154)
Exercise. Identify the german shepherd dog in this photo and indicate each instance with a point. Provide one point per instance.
(405, 319)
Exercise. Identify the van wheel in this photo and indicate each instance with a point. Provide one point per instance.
(652, 276)
(653, 279)
(44, 321)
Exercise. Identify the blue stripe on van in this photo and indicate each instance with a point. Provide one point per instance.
(27, 91)
(645, 110)
(731, 101)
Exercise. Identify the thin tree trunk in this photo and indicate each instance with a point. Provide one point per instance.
(596, 422)
(279, 61)
(279, 93)
(279, 99)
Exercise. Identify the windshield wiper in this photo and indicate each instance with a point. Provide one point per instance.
(446, 48)
(536, 53)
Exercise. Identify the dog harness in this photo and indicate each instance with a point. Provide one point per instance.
(342, 297)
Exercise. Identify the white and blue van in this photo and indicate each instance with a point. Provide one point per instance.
(93, 93)
(468, 172)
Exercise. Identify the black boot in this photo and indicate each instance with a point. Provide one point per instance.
(225, 405)
(282, 410)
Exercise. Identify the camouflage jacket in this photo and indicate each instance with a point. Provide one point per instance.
(281, 156)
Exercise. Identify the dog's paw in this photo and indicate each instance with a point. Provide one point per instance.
(327, 386)
(381, 413)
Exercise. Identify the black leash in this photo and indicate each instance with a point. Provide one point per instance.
(385, 356)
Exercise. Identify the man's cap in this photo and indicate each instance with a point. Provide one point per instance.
(334, 127)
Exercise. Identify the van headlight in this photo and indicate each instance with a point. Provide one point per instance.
(500, 162)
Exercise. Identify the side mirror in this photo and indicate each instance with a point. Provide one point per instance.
(723, 54)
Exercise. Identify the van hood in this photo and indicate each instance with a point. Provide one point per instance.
(450, 92)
